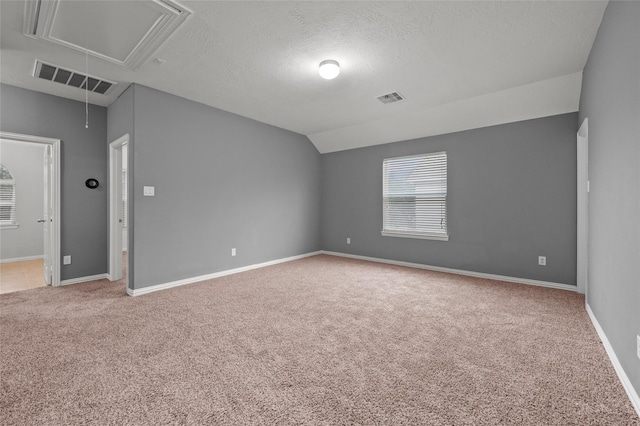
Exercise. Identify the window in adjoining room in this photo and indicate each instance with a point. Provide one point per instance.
(7, 198)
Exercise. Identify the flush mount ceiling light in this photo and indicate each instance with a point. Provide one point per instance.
(329, 69)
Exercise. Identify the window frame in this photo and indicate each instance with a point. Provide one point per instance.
(427, 234)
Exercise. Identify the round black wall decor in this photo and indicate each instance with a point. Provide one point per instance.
(92, 183)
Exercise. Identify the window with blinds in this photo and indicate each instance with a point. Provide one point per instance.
(7, 198)
(414, 193)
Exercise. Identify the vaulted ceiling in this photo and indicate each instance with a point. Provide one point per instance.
(459, 65)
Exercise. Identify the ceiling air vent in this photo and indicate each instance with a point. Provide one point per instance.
(390, 98)
(72, 78)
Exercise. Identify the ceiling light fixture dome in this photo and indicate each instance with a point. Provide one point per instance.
(329, 69)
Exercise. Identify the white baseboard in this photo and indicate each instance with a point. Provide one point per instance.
(624, 379)
(21, 259)
(164, 286)
(457, 271)
(84, 279)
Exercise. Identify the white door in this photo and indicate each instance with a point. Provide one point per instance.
(115, 208)
(125, 239)
(47, 216)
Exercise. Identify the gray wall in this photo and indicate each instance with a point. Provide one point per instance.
(511, 197)
(83, 210)
(611, 100)
(221, 181)
(25, 161)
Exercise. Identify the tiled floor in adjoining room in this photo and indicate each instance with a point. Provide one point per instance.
(16, 276)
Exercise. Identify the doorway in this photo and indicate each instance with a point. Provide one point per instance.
(118, 209)
(582, 278)
(39, 269)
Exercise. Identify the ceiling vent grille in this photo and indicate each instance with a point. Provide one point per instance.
(390, 98)
(72, 78)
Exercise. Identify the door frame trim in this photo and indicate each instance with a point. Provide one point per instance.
(115, 233)
(582, 219)
(55, 234)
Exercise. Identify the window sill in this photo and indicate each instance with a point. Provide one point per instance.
(14, 226)
(437, 237)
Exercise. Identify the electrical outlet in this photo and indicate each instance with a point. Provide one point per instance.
(66, 260)
(233, 252)
(348, 240)
(638, 345)
(542, 260)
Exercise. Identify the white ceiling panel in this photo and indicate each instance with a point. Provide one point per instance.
(549, 97)
(260, 60)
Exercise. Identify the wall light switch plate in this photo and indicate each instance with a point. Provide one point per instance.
(233, 252)
(66, 260)
(348, 240)
(542, 260)
(149, 191)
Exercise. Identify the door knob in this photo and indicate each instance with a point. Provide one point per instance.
(42, 220)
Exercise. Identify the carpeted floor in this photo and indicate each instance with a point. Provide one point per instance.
(322, 340)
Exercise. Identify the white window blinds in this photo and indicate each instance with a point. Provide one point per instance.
(7, 198)
(414, 192)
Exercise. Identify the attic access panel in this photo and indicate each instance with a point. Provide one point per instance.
(121, 32)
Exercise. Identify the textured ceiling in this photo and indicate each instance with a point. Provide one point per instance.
(460, 65)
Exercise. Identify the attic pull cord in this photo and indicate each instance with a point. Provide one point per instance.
(86, 88)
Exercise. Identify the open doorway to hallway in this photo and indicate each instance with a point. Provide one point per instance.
(24, 227)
